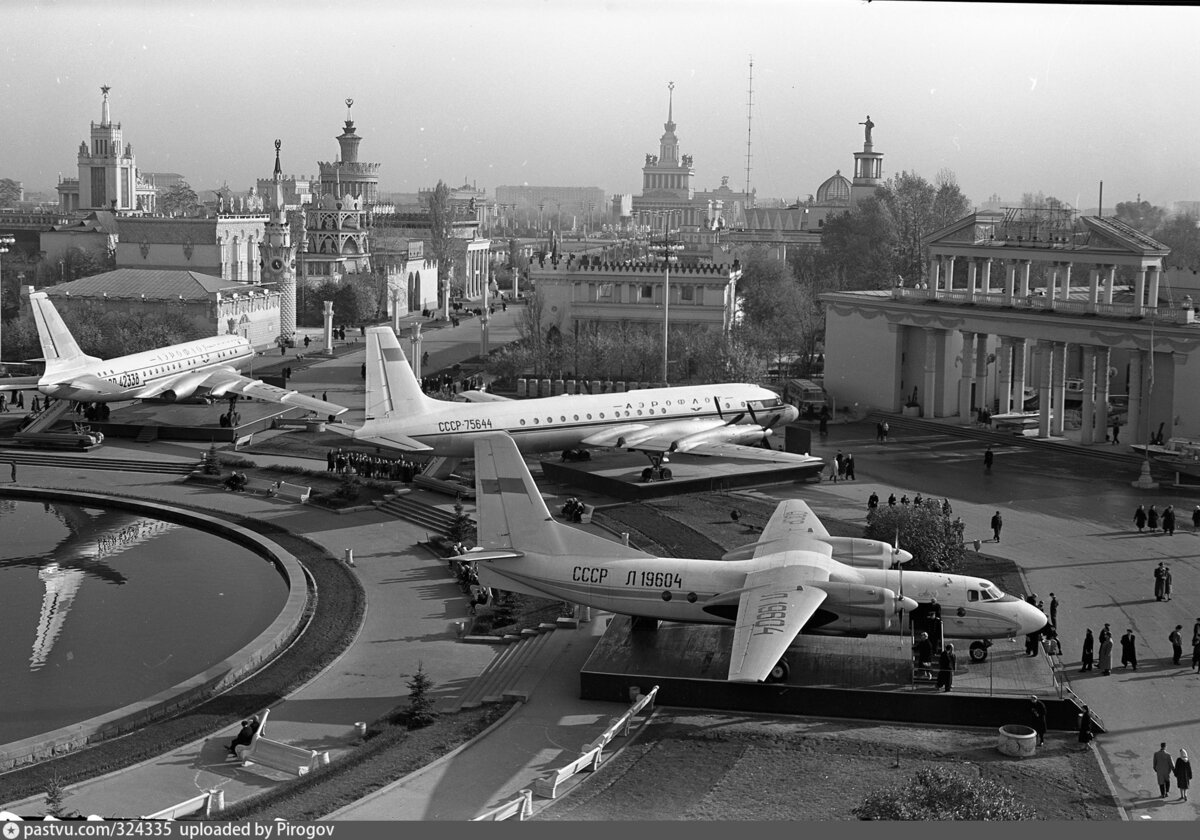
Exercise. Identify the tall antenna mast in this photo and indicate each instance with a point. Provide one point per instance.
(749, 111)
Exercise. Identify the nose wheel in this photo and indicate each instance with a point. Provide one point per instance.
(979, 650)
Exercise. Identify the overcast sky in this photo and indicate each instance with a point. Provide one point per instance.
(1011, 98)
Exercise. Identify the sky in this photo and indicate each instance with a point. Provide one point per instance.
(1010, 98)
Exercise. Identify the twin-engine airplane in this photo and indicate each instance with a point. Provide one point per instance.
(796, 578)
(205, 367)
(698, 419)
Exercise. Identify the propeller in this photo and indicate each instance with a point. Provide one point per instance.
(733, 421)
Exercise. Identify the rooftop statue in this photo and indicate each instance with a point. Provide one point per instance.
(869, 126)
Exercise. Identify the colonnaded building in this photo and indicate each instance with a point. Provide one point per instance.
(1075, 310)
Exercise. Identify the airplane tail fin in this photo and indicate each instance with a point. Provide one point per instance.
(392, 388)
(512, 514)
(59, 348)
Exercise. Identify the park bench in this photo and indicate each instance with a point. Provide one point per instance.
(244, 440)
(278, 755)
(293, 492)
(449, 488)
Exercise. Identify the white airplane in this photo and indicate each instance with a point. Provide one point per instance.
(207, 366)
(697, 419)
(795, 578)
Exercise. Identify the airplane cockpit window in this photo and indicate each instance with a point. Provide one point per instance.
(972, 595)
(991, 593)
(765, 405)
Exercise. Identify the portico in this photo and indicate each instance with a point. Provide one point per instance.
(1080, 351)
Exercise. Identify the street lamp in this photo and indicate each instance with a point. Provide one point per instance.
(5, 241)
(667, 247)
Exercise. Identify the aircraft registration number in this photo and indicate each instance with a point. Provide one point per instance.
(771, 615)
(471, 424)
(654, 580)
(129, 380)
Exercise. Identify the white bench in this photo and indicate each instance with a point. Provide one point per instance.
(209, 804)
(293, 492)
(244, 440)
(586, 517)
(548, 785)
(521, 808)
(278, 755)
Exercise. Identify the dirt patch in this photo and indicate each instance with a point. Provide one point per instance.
(767, 768)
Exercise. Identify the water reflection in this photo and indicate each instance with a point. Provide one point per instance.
(93, 536)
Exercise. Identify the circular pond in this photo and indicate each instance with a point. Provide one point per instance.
(101, 608)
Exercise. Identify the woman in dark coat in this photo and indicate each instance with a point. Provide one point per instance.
(1152, 518)
(1139, 517)
(1088, 646)
(1183, 774)
(946, 665)
(1105, 663)
(1038, 717)
(1085, 726)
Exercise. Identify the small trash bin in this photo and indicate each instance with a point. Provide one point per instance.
(977, 544)
(1017, 740)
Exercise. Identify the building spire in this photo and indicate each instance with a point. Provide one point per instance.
(278, 169)
(349, 119)
(670, 106)
(105, 118)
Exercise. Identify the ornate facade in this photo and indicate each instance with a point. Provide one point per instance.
(278, 252)
(348, 176)
(108, 175)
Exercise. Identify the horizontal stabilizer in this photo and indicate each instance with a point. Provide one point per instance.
(371, 432)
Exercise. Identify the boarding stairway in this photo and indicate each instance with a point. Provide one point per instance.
(406, 507)
(43, 421)
(511, 675)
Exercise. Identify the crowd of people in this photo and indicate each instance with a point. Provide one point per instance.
(352, 462)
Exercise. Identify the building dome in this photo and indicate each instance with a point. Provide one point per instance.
(835, 190)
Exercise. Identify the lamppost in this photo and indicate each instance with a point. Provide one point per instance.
(667, 247)
(5, 241)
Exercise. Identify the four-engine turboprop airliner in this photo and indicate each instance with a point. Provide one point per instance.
(795, 578)
(205, 367)
(697, 419)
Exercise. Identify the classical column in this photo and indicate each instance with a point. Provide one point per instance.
(1110, 282)
(1094, 286)
(1004, 375)
(1025, 269)
(930, 398)
(987, 276)
(935, 273)
(1018, 389)
(1058, 387)
(950, 272)
(1133, 423)
(1103, 362)
(1139, 291)
(1155, 274)
(972, 279)
(1087, 428)
(967, 376)
(1044, 356)
(1064, 292)
(1010, 282)
(981, 398)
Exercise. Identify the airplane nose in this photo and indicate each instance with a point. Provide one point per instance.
(1032, 620)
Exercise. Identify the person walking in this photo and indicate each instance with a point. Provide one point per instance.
(892, 503)
(1089, 646)
(849, 463)
(1139, 517)
(1106, 646)
(1168, 520)
(886, 429)
(946, 665)
(840, 459)
(988, 457)
(1183, 775)
(1167, 582)
(879, 432)
(873, 501)
(1160, 581)
(1196, 656)
(1196, 519)
(1129, 650)
(1085, 726)
(1037, 713)
(1176, 641)
(1163, 768)
(997, 524)
(1054, 610)
(1152, 518)
(1116, 431)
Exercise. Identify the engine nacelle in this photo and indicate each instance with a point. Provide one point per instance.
(860, 608)
(866, 554)
(740, 434)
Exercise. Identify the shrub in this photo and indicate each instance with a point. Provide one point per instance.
(210, 464)
(943, 794)
(462, 530)
(420, 704)
(934, 540)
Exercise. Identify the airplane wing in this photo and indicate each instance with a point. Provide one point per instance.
(774, 606)
(226, 381)
(748, 453)
(393, 440)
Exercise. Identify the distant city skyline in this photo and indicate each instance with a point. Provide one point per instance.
(1010, 98)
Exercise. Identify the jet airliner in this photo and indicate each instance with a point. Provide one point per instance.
(697, 419)
(795, 578)
(207, 366)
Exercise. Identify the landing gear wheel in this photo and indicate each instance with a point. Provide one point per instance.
(779, 673)
(979, 651)
(647, 474)
(666, 473)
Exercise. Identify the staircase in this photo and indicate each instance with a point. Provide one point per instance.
(406, 507)
(148, 434)
(510, 674)
(40, 458)
(47, 418)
